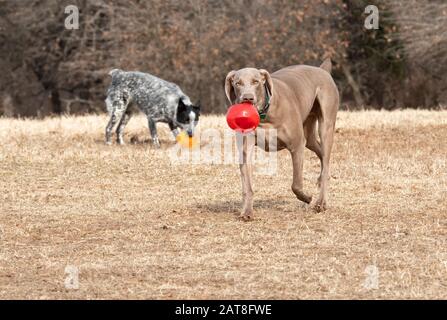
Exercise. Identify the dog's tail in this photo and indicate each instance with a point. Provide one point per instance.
(327, 65)
(114, 71)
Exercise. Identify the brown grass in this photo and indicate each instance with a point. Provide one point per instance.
(138, 227)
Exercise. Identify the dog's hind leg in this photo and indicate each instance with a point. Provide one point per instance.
(246, 168)
(110, 124)
(297, 161)
(312, 143)
(119, 130)
(326, 128)
(117, 107)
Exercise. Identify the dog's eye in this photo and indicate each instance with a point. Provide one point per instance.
(238, 84)
(255, 82)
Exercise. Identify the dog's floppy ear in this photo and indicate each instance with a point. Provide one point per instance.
(268, 80)
(229, 90)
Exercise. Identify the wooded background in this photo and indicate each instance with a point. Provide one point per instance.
(47, 69)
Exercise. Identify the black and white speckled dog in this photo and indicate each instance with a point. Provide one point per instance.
(159, 100)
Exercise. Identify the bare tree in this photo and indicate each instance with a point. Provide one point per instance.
(423, 29)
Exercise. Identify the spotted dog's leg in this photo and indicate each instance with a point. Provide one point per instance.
(246, 168)
(117, 109)
(153, 130)
(174, 129)
(111, 123)
(119, 130)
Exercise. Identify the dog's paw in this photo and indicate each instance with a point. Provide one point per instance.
(301, 195)
(108, 143)
(318, 183)
(320, 206)
(246, 216)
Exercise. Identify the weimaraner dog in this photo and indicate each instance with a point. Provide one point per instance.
(291, 101)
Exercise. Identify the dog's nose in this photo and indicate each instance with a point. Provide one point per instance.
(248, 97)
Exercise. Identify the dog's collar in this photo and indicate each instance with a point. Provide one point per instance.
(263, 113)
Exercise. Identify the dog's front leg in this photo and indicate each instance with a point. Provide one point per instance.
(246, 168)
(117, 110)
(174, 129)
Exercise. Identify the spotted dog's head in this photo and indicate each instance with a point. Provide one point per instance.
(188, 116)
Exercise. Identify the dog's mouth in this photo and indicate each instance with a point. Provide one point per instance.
(189, 129)
(254, 103)
(258, 107)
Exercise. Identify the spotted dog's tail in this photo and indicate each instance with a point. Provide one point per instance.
(113, 95)
(114, 71)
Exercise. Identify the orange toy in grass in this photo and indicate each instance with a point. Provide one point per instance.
(185, 140)
(243, 117)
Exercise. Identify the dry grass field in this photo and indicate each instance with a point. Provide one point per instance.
(137, 226)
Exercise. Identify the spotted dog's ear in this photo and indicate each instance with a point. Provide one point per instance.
(229, 90)
(114, 71)
(124, 96)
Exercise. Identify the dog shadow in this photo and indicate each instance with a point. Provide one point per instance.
(137, 141)
(234, 207)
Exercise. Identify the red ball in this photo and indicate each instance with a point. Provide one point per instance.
(243, 117)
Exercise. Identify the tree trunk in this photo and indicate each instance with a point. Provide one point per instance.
(354, 85)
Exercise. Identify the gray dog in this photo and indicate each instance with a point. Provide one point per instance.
(292, 101)
(159, 100)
